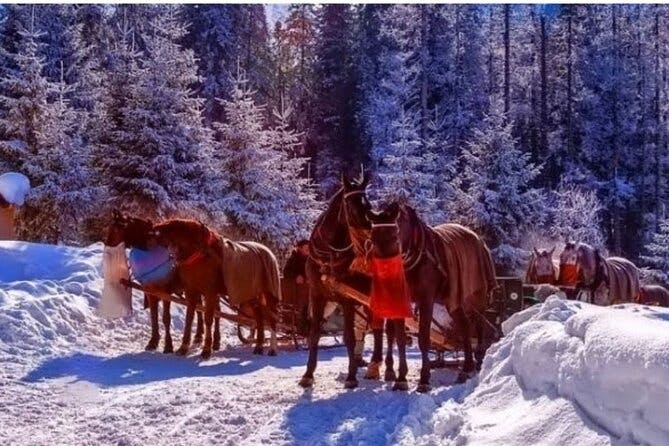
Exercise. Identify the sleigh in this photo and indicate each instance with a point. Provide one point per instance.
(288, 317)
(506, 300)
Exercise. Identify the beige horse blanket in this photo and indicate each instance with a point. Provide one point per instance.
(249, 270)
(467, 262)
(622, 278)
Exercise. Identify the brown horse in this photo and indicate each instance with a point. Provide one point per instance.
(446, 264)
(134, 233)
(541, 269)
(209, 265)
(653, 295)
(331, 253)
(609, 280)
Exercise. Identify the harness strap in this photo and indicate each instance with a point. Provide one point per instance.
(199, 254)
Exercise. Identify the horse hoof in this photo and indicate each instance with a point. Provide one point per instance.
(206, 354)
(271, 353)
(373, 371)
(389, 375)
(151, 346)
(306, 382)
(423, 388)
(168, 349)
(351, 384)
(401, 385)
(183, 351)
(258, 351)
(216, 346)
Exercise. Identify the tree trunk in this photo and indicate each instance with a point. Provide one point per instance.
(507, 57)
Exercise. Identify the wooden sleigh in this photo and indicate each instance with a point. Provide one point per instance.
(287, 317)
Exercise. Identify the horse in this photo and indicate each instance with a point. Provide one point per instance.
(653, 295)
(210, 265)
(387, 251)
(610, 280)
(332, 253)
(541, 269)
(134, 232)
(447, 263)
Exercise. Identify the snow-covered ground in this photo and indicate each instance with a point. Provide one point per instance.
(565, 373)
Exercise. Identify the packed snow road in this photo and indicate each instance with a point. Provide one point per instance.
(565, 373)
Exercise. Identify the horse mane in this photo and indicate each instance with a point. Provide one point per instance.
(321, 248)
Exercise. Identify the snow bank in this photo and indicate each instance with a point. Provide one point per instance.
(14, 187)
(48, 300)
(567, 373)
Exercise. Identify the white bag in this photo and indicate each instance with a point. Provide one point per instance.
(116, 299)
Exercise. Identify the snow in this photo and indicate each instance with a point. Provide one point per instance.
(14, 187)
(564, 373)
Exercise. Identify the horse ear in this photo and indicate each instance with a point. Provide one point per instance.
(552, 251)
(366, 176)
(345, 181)
(536, 251)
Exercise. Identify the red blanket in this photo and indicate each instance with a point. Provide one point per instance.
(390, 293)
(568, 275)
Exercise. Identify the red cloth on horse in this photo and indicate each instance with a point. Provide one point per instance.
(390, 291)
(568, 275)
(549, 279)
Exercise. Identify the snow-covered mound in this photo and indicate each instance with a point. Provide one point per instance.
(48, 297)
(565, 373)
(14, 187)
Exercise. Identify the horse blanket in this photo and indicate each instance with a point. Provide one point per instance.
(467, 263)
(249, 270)
(622, 279)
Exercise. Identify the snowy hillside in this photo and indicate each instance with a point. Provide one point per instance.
(565, 373)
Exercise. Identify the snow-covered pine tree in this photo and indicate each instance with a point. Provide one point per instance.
(495, 195)
(406, 169)
(157, 147)
(267, 198)
(575, 215)
(657, 253)
(39, 140)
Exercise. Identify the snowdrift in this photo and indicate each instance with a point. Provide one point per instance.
(565, 373)
(48, 300)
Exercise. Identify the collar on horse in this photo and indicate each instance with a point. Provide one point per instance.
(199, 254)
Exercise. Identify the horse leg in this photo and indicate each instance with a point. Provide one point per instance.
(462, 322)
(389, 374)
(191, 303)
(360, 330)
(318, 307)
(481, 346)
(401, 383)
(199, 328)
(349, 339)
(373, 369)
(167, 321)
(424, 326)
(271, 309)
(217, 329)
(155, 331)
(210, 304)
(260, 330)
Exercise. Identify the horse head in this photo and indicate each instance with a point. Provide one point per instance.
(543, 262)
(132, 231)
(355, 203)
(181, 237)
(385, 234)
(589, 262)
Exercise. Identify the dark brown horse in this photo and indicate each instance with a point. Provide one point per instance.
(331, 253)
(541, 268)
(134, 233)
(653, 295)
(446, 264)
(210, 266)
